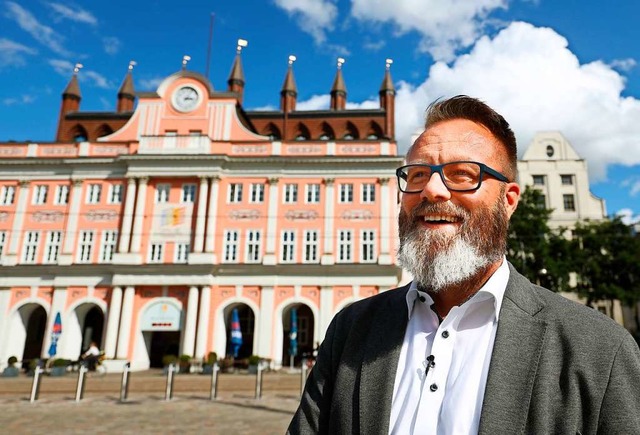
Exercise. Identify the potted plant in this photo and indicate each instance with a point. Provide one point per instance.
(254, 360)
(11, 370)
(185, 363)
(212, 358)
(168, 360)
(59, 367)
(227, 364)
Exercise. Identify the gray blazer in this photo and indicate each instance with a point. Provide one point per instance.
(556, 367)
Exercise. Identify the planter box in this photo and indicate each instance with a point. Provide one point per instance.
(58, 371)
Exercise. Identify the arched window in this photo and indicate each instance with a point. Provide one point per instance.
(104, 130)
(351, 132)
(375, 132)
(326, 132)
(79, 134)
(272, 131)
(302, 132)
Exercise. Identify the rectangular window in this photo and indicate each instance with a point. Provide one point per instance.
(567, 179)
(312, 194)
(290, 193)
(346, 192)
(310, 240)
(257, 193)
(288, 242)
(93, 193)
(52, 246)
(368, 193)
(40, 194)
(115, 194)
(231, 246)
(3, 240)
(30, 251)
(542, 201)
(538, 180)
(108, 245)
(162, 193)
(85, 246)
(62, 195)
(345, 246)
(569, 202)
(188, 193)
(254, 242)
(155, 252)
(7, 195)
(235, 193)
(182, 252)
(368, 248)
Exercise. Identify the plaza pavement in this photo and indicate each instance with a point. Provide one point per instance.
(235, 411)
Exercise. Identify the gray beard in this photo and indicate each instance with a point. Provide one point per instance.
(437, 260)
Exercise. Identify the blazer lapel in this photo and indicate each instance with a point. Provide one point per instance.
(514, 360)
(380, 362)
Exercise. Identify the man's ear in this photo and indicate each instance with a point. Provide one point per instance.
(511, 197)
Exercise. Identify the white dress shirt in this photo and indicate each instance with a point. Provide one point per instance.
(448, 400)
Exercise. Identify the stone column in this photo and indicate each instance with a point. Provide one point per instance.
(211, 215)
(138, 219)
(329, 212)
(11, 255)
(124, 335)
(267, 300)
(189, 336)
(127, 217)
(201, 216)
(203, 322)
(272, 224)
(384, 257)
(113, 321)
(5, 299)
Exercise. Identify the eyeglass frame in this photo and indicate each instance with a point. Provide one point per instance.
(484, 169)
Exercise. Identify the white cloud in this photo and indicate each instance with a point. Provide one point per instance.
(151, 84)
(21, 100)
(65, 69)
(78, 14)
(316, 102)
(445, 26)
(624, 64)
(40, 32)
(62, 67)
(315, 17)
(11, 53)
(98, 79)
(374, 46)
(530, 76)
(628, 217)
(111, 45)
(633, 184)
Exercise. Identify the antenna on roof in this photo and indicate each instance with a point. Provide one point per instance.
(185, 59)
(77, 68)
(241, 44)
(292, 59)
(388, 63)
(340, 62)
(206, 74)
(132, 63)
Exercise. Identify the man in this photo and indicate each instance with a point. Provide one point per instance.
(470, 346)
(91, 356)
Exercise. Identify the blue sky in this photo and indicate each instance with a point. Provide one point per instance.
(544, 64)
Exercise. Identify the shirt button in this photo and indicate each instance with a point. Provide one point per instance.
(445, 334)
(433, 387)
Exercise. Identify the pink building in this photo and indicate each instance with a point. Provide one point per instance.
(146, 227)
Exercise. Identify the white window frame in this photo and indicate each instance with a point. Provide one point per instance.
(368, 193)
(163, 191)
(30, 247)
(85, 246)
(253, 247)
(368, 246)
(94, 192)
(156, 252)
(52, 247)
(40, 192)
(3, 240)
(256, 193)
(234, 193)
(115, 194)
(188, 193)
(181, 254)
(346, 193)
(62, 194)
(290, 193)
(312, 193)
(231, 245)
(108, 245)
(288, 246)
(345, 246)
(311, 244)
(7, 195)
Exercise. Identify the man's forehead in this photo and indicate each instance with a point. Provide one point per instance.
(437, 138)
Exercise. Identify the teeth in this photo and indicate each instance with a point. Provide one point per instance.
(437, 218)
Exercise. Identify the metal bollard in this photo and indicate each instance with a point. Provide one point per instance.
(168, 392)
(214, 381)
(124, 386)
(80, 386)
(259, 382)
(303, 375)
(35, 387)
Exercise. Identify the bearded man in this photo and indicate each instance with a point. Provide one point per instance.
(470, 345)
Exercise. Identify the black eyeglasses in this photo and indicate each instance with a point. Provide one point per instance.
(461, 176)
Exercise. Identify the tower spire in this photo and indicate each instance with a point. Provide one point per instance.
(289, 92)
(126, 93)
(339, 90)
(387, 100)
(236, 77)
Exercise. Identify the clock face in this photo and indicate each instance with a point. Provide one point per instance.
(186, 99)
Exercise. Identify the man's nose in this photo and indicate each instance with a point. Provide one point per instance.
(435, 189)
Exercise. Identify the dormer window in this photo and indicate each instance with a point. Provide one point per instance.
(550, 151)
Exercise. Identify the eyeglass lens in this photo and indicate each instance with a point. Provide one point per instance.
(456, 176)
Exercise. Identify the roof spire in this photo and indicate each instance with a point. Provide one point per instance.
(126, 93)
(73, 88)
(236, 77)
(289, 84)
(289, 92)
(339, 90)
(387, 83)
(185, 59)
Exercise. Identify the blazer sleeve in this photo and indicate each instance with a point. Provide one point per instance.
(620, 410)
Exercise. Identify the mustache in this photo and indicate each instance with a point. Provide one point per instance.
(446, 208)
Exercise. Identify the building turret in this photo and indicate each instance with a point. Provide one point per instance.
(339, 90)
(289, 92)
(71, 97)
(236, 77)
(126, 94)
(387, 100)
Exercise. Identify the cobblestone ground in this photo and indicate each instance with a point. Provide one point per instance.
(235, 411)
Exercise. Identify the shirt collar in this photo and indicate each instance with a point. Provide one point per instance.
(493, 288)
